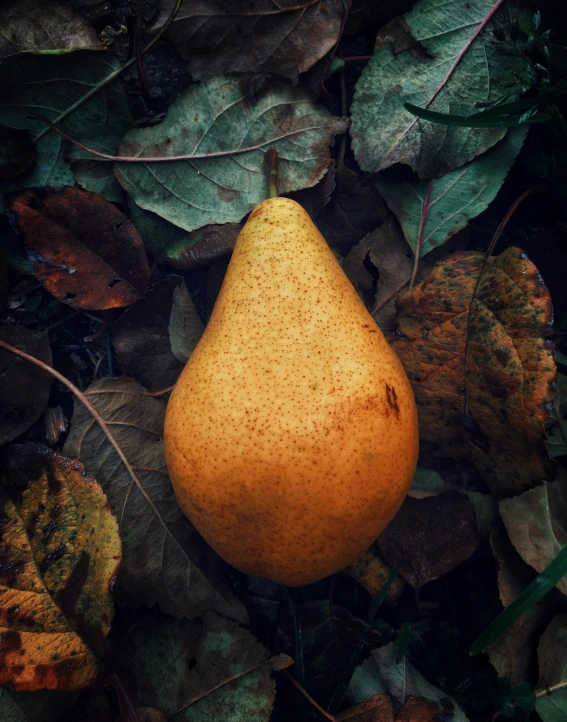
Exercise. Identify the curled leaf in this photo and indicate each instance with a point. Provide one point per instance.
(59, 555)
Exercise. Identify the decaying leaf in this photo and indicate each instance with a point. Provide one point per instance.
(430, 536)
(371, 570)
(536, 522)
(377, 708)
(17, 152)
(218, 119)
(426, 75)
(59, 551)
(552, 654)
(210, 669)
(24, 387)
(157, 334)
(165, 560)
(286, 37)
(47, 25)
(85, 251)
(204, 246)
(486, 396)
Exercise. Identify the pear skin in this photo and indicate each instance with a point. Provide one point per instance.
(291, 435)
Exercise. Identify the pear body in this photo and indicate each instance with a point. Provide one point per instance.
(291, 435)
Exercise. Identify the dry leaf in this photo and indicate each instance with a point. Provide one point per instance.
(85, 251)
(314, 199)
(377, 708)
(150, 332)
(219, 37)
(370, 570)
(24, 387)
(491, 403)
(59, 555)
(418, 709)
(204, 246)
(430, 536)
(165, 560)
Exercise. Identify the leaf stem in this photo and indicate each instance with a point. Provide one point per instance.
(419, 244)
(307, 696)
(381, 305)
(335, 47)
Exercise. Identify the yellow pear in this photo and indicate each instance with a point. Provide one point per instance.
(291, 435)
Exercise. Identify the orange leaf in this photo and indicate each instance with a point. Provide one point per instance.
(85, 251)
(59, 555)
(418, 709)
(377, 708)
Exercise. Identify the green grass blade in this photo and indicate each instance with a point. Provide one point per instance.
(531, 595)
(476, 120)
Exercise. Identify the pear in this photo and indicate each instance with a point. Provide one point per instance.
(291, 435)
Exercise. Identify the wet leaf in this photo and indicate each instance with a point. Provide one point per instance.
(455, 198)
(165, 560)
(537, 524)
(60, 552)
(42, 706)
(552, 654)
(17, 152)
(224, 115)
(54, 85)
(355, 209)
(199, 670)
(430, 536)
(147, 337)
(384, 133)
(260, 37)
(85, 251)
(381, 673)
(24, 387)
(48, 25)
(506, 377)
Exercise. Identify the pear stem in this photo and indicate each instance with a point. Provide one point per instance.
(271, 167)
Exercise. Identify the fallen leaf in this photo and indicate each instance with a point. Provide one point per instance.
(491, 404)
(371, 571)
(85, 251)
(430, 536)
(314, 199)
(418, 709)
(17, 152)
(552, 654)
(165, 560)
(354, 210)
(454, 199)
(218, 38)
(377, 708)
(210, 669)
(536, 522)
(386, 250)
(150, 714)
(556, 428)
(60, 551)
(384, 133)
(24, 387)
(426, 482)
(219, 118)
(512, 654)
(29, 25)
(381, 673)
(41, 706)
(150, 332)
(58, 85)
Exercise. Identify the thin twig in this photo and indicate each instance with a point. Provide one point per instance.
(162, 158)
(127, 710)
(381, 305)
(335, 47)
(356, 58)
(549, 690)
(112, 76)
(161, 392)
(513, 208)
(342, 150)
(419, 244)
(307, 696)
(138, 46)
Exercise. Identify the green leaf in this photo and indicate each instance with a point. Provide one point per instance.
(53, 85)
(552, 661)
(475, 120)
(220, 118)
(426, 482)
(540, 586)
(455, 198)
(200, 671)
(384, 133)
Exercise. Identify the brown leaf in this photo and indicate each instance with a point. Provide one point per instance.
(261, 37)
(142, 338)
(370, 570)
(185, 326)
(314, 199)
(166, 561)
(150, 714)
(377, 708)
(59, 555)
(430, 536)
(17, 151)
(48, 25)
(418, 709)
(354, 211)
(85, 251)
(24, 387)
(507, 376)
(204, 246)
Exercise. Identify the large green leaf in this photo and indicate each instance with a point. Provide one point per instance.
(455, 198)
(219, 118)
(54, 86)
(385, 133)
